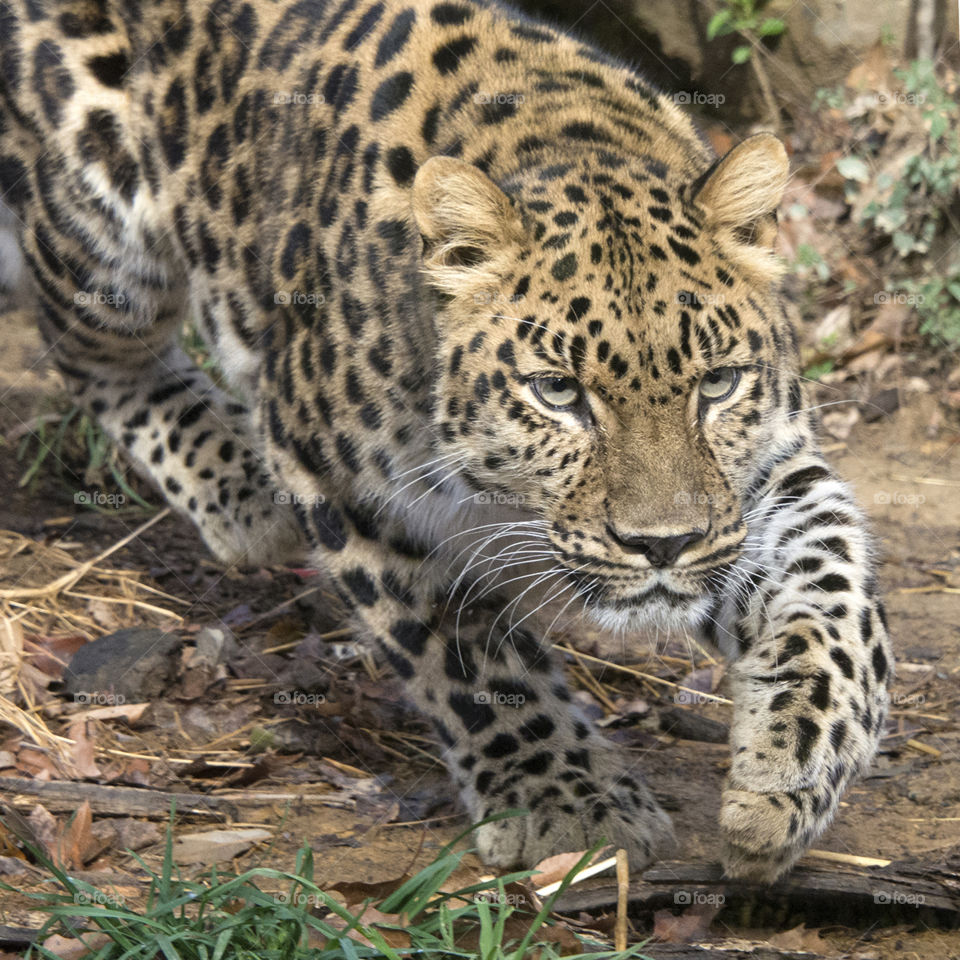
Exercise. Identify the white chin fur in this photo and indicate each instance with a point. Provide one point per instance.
(658, 615)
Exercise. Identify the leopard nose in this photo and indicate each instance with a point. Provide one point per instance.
(659, 551)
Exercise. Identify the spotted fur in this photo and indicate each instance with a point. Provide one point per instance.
(497, 328)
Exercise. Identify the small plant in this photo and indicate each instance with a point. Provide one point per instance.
(746, 19)
(227, 915)
(910, 203)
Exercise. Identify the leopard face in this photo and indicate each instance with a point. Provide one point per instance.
(612, 357)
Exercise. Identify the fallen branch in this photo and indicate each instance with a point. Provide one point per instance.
(67, 795)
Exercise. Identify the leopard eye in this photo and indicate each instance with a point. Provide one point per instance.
(718, 384)
(559, 393)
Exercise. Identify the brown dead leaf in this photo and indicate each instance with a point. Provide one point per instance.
(131, 712)
(67, 948)
(692, 924)
(873, 71)
(555, 868)
(357, 892)
(212, 846)
(370, 916)
(82, 751)
(76, 844)
(800, 938)
(43, 825)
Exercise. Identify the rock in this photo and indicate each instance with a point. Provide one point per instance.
(130, 665)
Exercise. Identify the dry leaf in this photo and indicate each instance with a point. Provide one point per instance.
(66, 948)
(213, 846)
(692, 924)
(800, 938)
(357, 892)
(555, 868)
(372, 917)
(76, 844)
(82, 751)
(130, 712)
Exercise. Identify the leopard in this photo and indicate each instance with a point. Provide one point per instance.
(500, 342)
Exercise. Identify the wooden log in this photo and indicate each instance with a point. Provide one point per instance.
(903, 889)
(67, 795)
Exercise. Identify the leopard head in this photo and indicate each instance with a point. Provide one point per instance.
(614, 354)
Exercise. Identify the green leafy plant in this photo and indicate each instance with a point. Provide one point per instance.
(746, 19)
(910, 204)
(221, 914)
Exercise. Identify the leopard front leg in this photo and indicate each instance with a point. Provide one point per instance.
(511, 736)
(810, 680)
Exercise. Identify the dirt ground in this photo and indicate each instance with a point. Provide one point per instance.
(906, 476)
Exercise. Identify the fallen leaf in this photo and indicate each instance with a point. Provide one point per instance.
(76, 844)
(555, 868)
(67, 948)
(692, 924)
(213, 846)
(800, 938)
(82, 751)
(357, 892)
(131, 712)
(370, 916)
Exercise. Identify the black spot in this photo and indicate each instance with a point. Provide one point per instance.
(475, 716)
(395, 39)
(110, 68)
(328, 525)
(880, 665)
(807, 733)
(781, 700)
(502, 745)
(401, 165)
(450, 14)
(842, 659)
(820, 695)
(447, 58)
(411, 635)
(390, 95)
(361, 585)
(565, 267)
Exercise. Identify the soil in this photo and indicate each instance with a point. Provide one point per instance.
(908, 805)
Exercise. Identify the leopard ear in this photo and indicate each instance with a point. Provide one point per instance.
(468, 224)
(741, 192)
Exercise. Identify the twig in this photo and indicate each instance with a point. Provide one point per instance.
(623, 893)
(644, 676)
